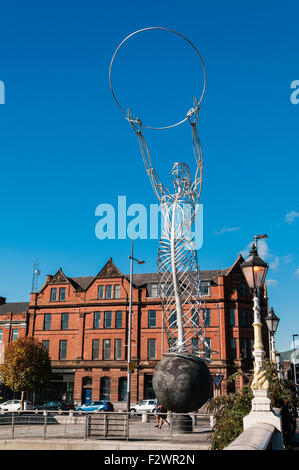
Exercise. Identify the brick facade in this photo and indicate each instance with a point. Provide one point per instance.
(87, 338)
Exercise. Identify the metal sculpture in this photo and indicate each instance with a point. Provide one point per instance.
(182, 301)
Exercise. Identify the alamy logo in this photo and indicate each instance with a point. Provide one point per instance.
(2, 92)
(137, 221)
(295, 94)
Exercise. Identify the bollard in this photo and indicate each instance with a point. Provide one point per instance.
(145, 417)
(194, 419)
(45, 423)
(13, 425)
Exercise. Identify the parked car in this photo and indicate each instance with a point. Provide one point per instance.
(144, 405)
(52, 406)
(95, 406)
(15, 405)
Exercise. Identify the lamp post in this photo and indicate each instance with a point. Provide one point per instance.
(294, 344)
(272, 321)
(130, 328)
(255, 270)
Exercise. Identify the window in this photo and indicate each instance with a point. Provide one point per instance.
(232, 317)
(14, 335)
(233, 348)
(1, 336)
(62, 349)
(194, 345)
(118, 319)
(117, 349)
(242, 317)
(105, 388)
(208, 346)
(154, 290)
(172, 320)
(151, 348)
(108, 292)
(64, 321)
(205, 287)
(117, 291)
(107, 319)
(243, 347)
(242, 288)
(100, 292)
(122, 389)
(95, 348)
(46, 344)
(207, 317)
(53, 297)
(152, 318)
(47, 321)
(195, 316)
(96, 319)
(106, 349)
(167, 289)
(62, 293)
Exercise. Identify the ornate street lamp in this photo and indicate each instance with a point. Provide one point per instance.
(272, 321)
(255, 270)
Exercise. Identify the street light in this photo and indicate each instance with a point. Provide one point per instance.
(130, 328)
(295, 375)
(272, 321)
(255, 270)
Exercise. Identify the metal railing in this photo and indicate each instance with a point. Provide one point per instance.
(42, 425)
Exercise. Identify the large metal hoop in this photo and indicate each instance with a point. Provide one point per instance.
(171, 31)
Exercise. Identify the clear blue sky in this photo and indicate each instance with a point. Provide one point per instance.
(65, 147)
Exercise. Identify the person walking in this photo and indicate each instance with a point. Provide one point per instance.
(162, 413)
(157, 404)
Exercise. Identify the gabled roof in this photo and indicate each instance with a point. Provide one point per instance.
(14, 307)
(111, 271)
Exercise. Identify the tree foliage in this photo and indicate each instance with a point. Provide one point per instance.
(229, 410)
(27, 366)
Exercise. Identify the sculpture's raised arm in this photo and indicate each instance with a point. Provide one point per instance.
(159, 189)
(193, 120)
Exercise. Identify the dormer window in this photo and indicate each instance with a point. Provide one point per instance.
(62, 293)
(100, 292)
(53, 297)
(117, 291)
(205, 287)
(154, 290)
(108, 292)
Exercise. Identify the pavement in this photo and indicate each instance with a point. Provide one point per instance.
(64, 434)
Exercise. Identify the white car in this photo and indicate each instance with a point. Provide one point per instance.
(144, 405)
(15, 405)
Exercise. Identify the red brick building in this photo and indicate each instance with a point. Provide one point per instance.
(83, 322)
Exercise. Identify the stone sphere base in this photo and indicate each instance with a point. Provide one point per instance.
(181, 424)
(182, 383)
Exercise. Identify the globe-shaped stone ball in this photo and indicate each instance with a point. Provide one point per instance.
(182, 383)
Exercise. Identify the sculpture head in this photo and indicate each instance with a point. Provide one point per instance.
(180, 176)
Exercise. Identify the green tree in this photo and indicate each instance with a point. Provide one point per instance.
(27, 366)
(229, 410)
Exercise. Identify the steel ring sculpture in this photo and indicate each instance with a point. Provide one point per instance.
(138, 32)
(181, 379)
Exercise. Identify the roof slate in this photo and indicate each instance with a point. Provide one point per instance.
(15, 307)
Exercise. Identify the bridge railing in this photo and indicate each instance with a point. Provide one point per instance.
(261, 436)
